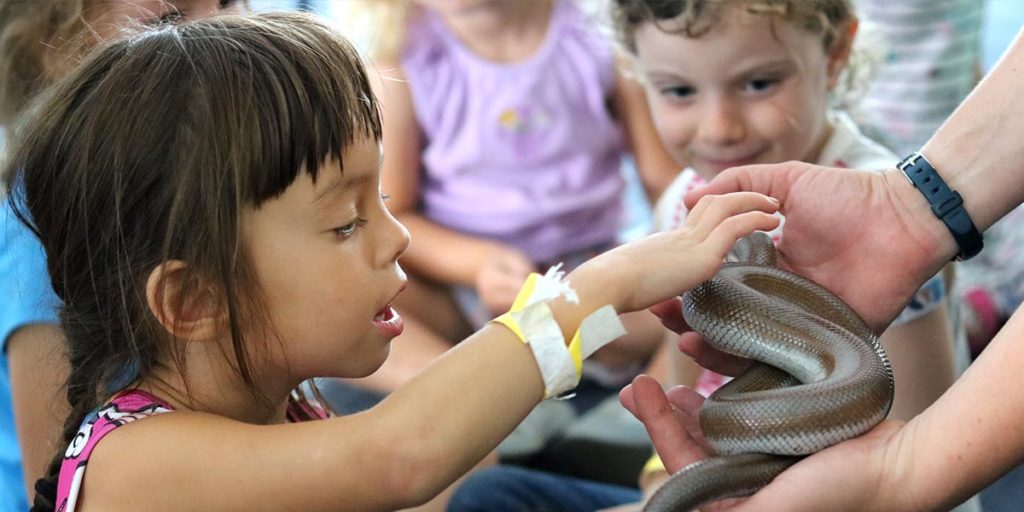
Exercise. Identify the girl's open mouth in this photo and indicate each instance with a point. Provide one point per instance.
(389, 321)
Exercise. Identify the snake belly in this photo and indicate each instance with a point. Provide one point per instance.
(820, 377)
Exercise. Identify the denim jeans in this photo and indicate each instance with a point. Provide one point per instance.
(518, 489)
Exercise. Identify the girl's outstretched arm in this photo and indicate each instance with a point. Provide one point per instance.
(423, 436)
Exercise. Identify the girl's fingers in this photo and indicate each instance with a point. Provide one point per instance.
(725, 234)
(695, 213)
(712, 211)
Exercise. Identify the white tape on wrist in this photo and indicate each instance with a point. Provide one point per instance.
(532, 321)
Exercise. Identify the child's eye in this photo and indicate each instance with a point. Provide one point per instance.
(346, 231)
(761, 84)
(678, 93)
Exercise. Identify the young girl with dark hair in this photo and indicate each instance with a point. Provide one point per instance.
(208, 197)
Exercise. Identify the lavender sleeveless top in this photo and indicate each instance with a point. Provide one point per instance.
(525, 153)
(122, 409)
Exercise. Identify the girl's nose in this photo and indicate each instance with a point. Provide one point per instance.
(394, 240)
(722, 123)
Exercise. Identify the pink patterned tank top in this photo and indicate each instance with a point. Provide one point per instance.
(124, 408)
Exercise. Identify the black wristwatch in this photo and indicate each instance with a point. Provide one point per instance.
(946, 204)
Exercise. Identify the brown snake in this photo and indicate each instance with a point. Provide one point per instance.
(820, 377)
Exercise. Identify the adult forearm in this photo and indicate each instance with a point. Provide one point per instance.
(973, 434)
(979, 150)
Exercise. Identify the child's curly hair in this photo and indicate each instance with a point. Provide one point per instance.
(830, 19)
(694, 18)
(32, 35)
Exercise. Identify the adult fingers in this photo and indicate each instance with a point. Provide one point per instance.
(670, 312)
(693, 345)
(772, 179)
(668, 433)
(688, 402)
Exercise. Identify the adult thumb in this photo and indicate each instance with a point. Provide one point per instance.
(772, 180)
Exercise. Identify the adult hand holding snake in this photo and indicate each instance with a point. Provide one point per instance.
(836, 216)
(866, 473)
(823, 377)
(973, 433)
(845, 477)
(893, 467)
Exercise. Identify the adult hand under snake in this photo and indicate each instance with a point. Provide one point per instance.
(810, 485)
(871, 239)
(826, 242)
(822, 377)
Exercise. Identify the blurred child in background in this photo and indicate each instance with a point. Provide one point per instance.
(505, 127)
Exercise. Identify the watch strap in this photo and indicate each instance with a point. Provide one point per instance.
(945, 203)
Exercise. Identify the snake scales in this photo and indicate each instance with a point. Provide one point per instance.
(820, 376)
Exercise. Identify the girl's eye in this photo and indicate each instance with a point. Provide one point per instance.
(761, 84)
(678, 93)
(346, 231)
(385, 197)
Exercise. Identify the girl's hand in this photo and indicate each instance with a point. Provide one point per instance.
(643, 273)
(854, 475)
(501, 276)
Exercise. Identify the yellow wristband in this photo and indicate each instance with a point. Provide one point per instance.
(531, 320)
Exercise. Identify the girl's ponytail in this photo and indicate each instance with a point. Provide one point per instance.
(45, 499)
(87, 387)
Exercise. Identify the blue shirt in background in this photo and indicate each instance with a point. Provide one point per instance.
(26, 298)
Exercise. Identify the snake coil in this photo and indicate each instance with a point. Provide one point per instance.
(820, 376)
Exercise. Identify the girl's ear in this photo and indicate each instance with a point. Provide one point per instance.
(839, 55)
(184, 306)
